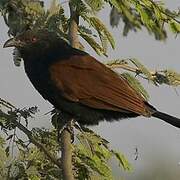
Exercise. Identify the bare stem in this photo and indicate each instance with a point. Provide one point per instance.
(66, 157)
(73, 28)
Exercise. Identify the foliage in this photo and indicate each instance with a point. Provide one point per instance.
(152, 15)
(135, 83)
(3, 158)
(92, 156)
(168, 77)
(135, 15)
(95, 5)
(32, 14)
(38, 156)
(91, 153)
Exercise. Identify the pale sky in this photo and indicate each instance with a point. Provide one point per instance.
(158, 143)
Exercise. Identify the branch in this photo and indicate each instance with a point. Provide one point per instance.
(36, 143)
(28, 133)
(66, 156)
(129, 68)
(123, 66)
(73, 27)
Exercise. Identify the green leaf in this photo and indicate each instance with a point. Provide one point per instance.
(174, 26)
(173, 77)
(142, 69)
(96, 164)
(95, 5)
(3, 160)
(144, 15)
(101, 29)
(136, 85)
(92, 42)
(54, 8)
(2, 141)
(122, 161)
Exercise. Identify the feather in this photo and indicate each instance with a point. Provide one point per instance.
(84, 79)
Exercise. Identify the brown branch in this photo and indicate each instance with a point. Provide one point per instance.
(73, 27)
(66, 157)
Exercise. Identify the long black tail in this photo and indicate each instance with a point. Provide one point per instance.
(167, 118)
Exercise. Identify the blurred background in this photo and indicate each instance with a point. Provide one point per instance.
(151, 146)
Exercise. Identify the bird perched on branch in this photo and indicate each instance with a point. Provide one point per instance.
(77, 84)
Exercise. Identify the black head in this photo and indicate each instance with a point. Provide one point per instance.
(35, 41)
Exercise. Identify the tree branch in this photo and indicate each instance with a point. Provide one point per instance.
(27, 132)
(66, 156)
(36, 143)
(73, 27)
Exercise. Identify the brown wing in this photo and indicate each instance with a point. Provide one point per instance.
(85, 80)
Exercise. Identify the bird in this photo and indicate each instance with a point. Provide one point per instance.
(77, 84)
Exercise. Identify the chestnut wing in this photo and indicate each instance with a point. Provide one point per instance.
(83, 79)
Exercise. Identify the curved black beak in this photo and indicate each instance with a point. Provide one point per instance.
(11, 43)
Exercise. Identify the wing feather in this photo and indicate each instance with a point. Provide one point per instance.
(85, 80)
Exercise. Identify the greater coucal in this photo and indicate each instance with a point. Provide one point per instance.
(77, 84)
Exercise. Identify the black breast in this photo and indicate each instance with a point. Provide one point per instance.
(37, 67)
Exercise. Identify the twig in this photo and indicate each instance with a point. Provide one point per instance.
(29, 134)
(36, 143)
(170, 16)
(123, 66)
(129, 68)
(160, 10)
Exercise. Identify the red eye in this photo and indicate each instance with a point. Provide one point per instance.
(34, 39)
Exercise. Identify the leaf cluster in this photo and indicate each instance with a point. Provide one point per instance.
(32, 14)
(32, 165)
(134, 68)
(152, 15)
(92, 156)
(29, 162)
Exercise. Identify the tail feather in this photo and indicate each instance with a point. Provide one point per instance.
(167, 118)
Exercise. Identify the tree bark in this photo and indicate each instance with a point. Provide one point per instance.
(66, 157)
(73, 28)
